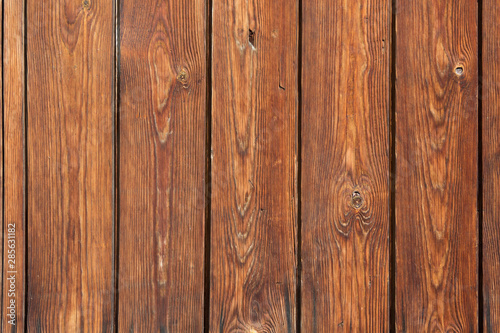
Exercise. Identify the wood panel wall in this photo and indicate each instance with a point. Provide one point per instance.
(250, 166)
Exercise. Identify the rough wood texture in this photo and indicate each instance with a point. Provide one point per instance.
(70, 165)
(436, 166)
(253, 225)
(345, 166)
(490, 83)
(162, 165)
(14, 166)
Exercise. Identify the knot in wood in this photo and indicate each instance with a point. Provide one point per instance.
(183, 77)
(356, 200)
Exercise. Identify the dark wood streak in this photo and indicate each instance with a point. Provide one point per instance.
(345, 165)
(436, 166)
(162, 164)
(253, 259)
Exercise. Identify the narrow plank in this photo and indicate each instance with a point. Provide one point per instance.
(70, 165)
(254, 107)
(436, 166)
(13, 301)
(345, 165)
(490, 84)
(162, 165)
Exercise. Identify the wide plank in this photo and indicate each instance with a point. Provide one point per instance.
(436, 166)
(490, 87)
(70, 142)
(162, 126)
(14, 281)
(254, 153)
(345, 165)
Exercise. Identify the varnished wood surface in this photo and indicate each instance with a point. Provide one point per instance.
(254, 214)
(14, 166)
(490, 87)
(162, 165)
(129, 131)
(345, 166)
(436, 166)
(70, 196)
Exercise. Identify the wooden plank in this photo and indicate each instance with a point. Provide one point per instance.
(162, 165)
(490, 84)
(436, 166)
(13, 301)
(345, 165)
(253, 217)
(70, 165)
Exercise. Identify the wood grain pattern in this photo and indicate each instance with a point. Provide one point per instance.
(436, 166)
(70, 165)
(253, 222)
(490, 84)
(345, 166)
(14, 167)
(162, 165)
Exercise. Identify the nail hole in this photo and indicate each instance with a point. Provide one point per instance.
(459, 70)
(251, 37)
(356, 200)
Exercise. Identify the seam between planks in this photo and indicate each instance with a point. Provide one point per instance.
(392, 173)
(480, 298)
(25, 147)
(116, 108)
(298, 134)
(208, 166)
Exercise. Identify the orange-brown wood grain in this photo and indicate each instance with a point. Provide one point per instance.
(490, 86)
(14, 166)
(70, 142)
(162, 108)
(345, 166)
(436, 166)
(253, 215)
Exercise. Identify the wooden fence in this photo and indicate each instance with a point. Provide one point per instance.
(250, 166)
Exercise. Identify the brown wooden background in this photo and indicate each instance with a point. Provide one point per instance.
(251, 165)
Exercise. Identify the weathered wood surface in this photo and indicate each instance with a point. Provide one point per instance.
(490, 87)
(436, 166)
(70, 135)
(106, 137)
(345, 166)
(254, 213)
(14, 166)
(162, 100)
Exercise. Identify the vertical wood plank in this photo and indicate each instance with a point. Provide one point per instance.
(253, 221)
(162, 165)
(490, 84)
(70, 165)
(14, 166)
(436, 166)
(345, 165)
